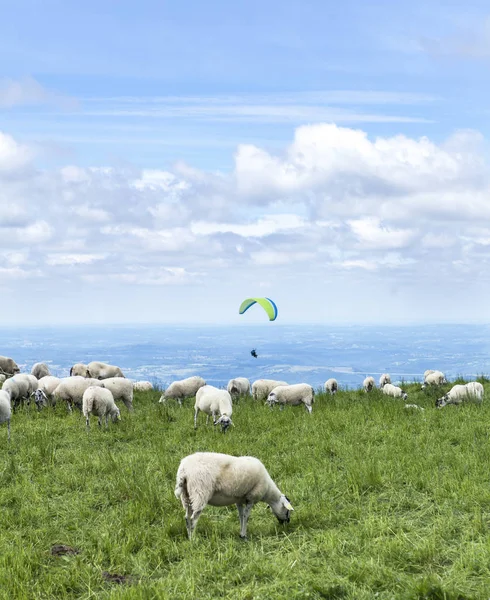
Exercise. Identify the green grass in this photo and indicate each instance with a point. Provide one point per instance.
(388, 503)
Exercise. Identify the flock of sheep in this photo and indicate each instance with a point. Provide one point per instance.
(204, 477)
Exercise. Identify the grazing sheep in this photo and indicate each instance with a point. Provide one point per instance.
(79, 370)
(331, 386)
(299, 393)
(8, 366)
(434, 378)
(383, 380)
(220, 480)
(14, 392)
(100, 370)
(184, 388)
(393, 390)
(369, 384)
(40, 370)
(240, 386)
(25, 386)
(48, 385)
(71, 390)
(428, 372)
(213, 401)
(263, 387)
(121, 388)
(460, 393)
(99, 401)
(40, 398)
(142, 386)
(5, 410)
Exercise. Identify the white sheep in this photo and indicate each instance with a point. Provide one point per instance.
(99, 401)
(213, 401)
(240, 386)
(298, 393)
(331, 386)
(25, 387)
(71, 390)
(79, 370)
(8, 366)
(220, 480)
(5, 410)
(142, 386)
(263, 387)
(434, 378)
(121, 388)
(184, 388)
(48, 385)
(369, 384)
(460, 393)
(14, 392)
(383, 380)
(100, 370)
(394, 391)
(428, 372)
(40, 370)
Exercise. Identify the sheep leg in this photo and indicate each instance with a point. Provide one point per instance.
(308, 408)
(8, 430)
(106, 420)
(195, 418)
(87, 421)
(193, 522)
(244, 514)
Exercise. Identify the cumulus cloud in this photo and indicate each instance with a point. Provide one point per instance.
(334, 203)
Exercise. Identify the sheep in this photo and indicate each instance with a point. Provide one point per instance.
(213, 401)
(220, 480)
(40, 398)
(13, 390)
(8, 366)
(121, 388)
(40, 370)
(20, 387)
(71, 390)
(459, 393)
(240, 386)
(383, 380)
(5, 410)
(79, 370)
(331, 386)
(99, 401)
(369, 384)
(299, 393)
(434, 378)
(428, 372)
(142, 386)
(393, 390)
(48, 385)
(100, 370)
(184, 388)
(263, 387)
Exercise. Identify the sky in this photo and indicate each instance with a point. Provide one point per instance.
(162, 161)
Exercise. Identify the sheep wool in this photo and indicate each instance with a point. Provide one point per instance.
(142, 386)
(121, 388)
(5, 410)
(40, 370)
(298, 393)
(213, 401)
(240, 386)
(263, 387)
(220, 480)
(100, 370)
(184, 388)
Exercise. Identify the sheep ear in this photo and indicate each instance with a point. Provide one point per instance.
(287, 504)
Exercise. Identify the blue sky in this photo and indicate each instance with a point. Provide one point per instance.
(182, 152)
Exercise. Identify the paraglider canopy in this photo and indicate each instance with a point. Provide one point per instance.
(266, 303)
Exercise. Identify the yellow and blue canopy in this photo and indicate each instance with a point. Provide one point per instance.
(266, 303)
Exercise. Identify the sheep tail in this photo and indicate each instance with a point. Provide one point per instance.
(88, 405)
(181, 486)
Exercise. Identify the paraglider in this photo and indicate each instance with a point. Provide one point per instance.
(254, 353)
(266, 303)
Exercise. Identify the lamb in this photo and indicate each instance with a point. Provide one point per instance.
(213, 401)
(383, 380)
(184, 388)
(299, 393)
(5, 410)
(434, 378)
(40, 370)
(240, 386)
(121, 388)
(71, 390)
(369, 384)
(100, 370)
(99, 401)
(79, 370)
(142, 386)
(8, 366)
(48, 385)
(331, 386)
(263, 387)
(460, 393)
(393, 390)
(220, 480)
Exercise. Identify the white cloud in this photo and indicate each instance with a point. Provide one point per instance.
(27, 91)
(73, 259)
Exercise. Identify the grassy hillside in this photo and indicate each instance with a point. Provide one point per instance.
(388, 503)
